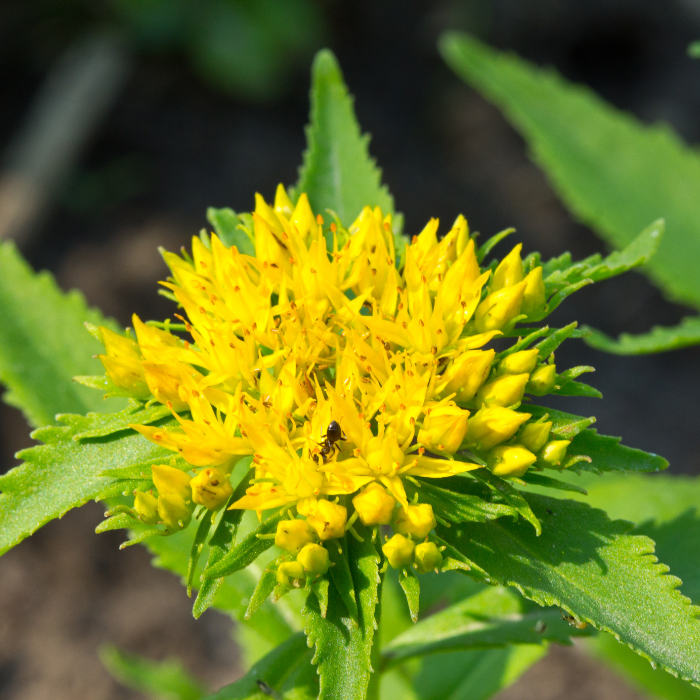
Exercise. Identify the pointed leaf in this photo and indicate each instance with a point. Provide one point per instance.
(44, 344)
(589, 566)
(338, 172)
(266, 584)
(658, 339)
(63, 474)
(197, 546)
(494, 617)
(320, 588)
(603, 162)
(341, 575)
(537, 479)
(344, 647)
(225, 223)
(411, 588)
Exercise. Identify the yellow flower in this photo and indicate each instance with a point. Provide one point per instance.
(444, 428)
(426, 557)
(146, 505)
(507, 390)
(499, 308)
(291, 574)
(535, 435)
(326, 518)
(374, 505)
(210, 488)
(416, 521)
(510, 460)
(314, 558)
(174, 511)
(399, 551)
(553, 452)
(122, 363)
(293, 535)
(522, 362)
(491, 426)
(542, 380)
(171, 481)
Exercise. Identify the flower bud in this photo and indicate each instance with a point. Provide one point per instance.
(519, 362)
(509, 271)
(291, 574)
(383, 453)
(542, 380)
(374, 505)
(507, 390)
(328, 519)
(491, 426)
(554, 452)
(533, 298)
(146, 505)
(314, 559)
(426, 557)
(535, 435)
(293, 535)
(444, 428)
(399, 551)
(466, 374)
(415, 520)
(170, 481)
(462, 234)
(499, 308)
(510, 460)
(210, 488)
(174, 511)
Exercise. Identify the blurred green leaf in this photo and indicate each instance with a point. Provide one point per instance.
(162, 680)
(225, 223)
(694, 50)
(658, 339)
(44, 344)
(494, 617)
(613, 172)
(338, 172)
(602, 575)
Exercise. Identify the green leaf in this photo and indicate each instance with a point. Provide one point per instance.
(266, 584)
(658, 339)
(221, 542)
(589, 566)
(512, 496)
(606, 453)
(338, 172)
(488, 246)
(104, 424)
(613, 172)
(548, 346)
(63, 474)
(537, 479)
(344, 647)
(225, 223)
(247, 551)
(286, 671)
(494, 617)
(694, 49)
(167, 680)
(44, 344)
(411, 588)
(475, 675)
(197, 546)
(341, 576)
(320, 588)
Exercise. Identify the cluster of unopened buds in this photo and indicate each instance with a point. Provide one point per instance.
(342, 374)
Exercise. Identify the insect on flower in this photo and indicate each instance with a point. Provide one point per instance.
(333, 434)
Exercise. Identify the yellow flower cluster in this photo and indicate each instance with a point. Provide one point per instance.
(342, 374)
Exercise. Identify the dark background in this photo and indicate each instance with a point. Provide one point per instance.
(178, 138)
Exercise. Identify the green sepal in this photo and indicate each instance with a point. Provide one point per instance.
(121, 521)
(488, 246)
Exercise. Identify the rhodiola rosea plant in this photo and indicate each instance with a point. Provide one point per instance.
(336, 416)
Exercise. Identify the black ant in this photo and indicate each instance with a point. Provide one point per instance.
(333, 433)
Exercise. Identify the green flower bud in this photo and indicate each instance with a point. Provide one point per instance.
(399, 551)
(535, 435)
(174, 511)
(293, 535)
(291, 574)
(533, 298)
(519, 362)
(415, 520)
(426, 557)
(542, 380)
(499, 308)
(146, 505)
(554, 452)
(510, 460)
(509, 271)
(491, 426)
(507, 390)
(314, 558)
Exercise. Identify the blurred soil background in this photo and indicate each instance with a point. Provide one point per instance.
(121, 121)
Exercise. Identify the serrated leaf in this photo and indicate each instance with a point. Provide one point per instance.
(156, 679)
(564, 425)
(247, 551)
(344, 647)
(341, 575)
(589, 566)
(537, 479)
(338, 172)
(658, 339)
(512, 496)
(63, 474)
(103, 424)
(494, 617)
(43, 343)
(266, 584)
(411, 588)
(221, 542)
(285, 672)
(225, 223)
(464, 499)
(603, 162)
(557, 337)
(320, 588)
